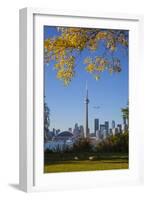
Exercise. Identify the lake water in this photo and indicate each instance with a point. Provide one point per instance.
(60, 144)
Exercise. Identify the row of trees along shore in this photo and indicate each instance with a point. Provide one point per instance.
(113, 143)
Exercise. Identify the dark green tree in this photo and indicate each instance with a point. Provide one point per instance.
(125, 113)
(46, 121)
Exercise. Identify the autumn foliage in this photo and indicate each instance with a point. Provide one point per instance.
(64, 48)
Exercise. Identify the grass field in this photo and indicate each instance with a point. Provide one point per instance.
(108, 163)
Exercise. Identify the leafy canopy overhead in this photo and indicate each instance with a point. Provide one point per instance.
(64, 48)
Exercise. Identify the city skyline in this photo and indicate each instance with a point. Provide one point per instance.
(66, 104)
(71, 129)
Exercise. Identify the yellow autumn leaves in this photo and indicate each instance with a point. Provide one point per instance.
(96, 66)
(90, 67)
(64, 48)
(65, 69)
(65, 75)
(101, 35)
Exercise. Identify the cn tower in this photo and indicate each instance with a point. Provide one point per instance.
(86, 132)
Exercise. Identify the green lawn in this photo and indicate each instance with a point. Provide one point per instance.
(87, 165)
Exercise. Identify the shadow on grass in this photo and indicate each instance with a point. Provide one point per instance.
(69, 158)
(89, 161)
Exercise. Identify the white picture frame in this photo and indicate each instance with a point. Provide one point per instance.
(31, 101)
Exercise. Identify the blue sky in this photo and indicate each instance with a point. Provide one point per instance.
(66, 103)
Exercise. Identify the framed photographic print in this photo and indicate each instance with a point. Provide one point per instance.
(79, 99)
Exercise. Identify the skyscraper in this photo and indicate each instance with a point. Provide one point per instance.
(102, 127)
(107, 127)
(86, 133)
(102, 130)
(76, 130)
(81, 128)
(110, 131)
(96, 125)
(98, 135)
(119, 126)
(125, 126)
(113, 124)
(76, 126)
